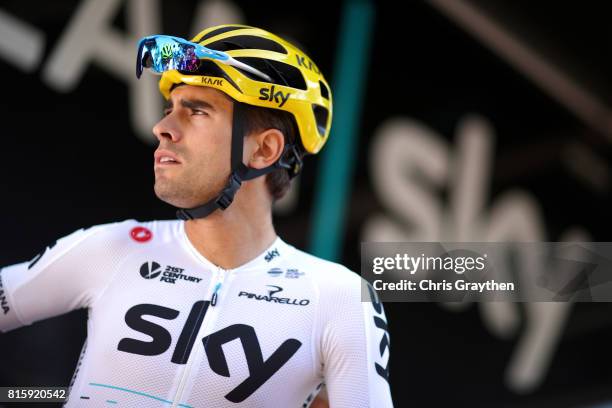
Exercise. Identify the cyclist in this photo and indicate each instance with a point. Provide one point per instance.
(213, 309)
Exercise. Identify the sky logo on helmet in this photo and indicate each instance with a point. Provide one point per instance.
(268, 94)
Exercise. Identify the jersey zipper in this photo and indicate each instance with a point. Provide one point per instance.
(213, 299)
(218, 277)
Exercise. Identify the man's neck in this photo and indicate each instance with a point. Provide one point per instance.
(232, 237)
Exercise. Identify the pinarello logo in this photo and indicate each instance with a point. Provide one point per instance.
(141, 234)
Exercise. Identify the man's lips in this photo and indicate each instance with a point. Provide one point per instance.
(165, 157)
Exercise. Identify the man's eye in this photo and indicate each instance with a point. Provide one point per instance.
(198, 112)
(167, 112)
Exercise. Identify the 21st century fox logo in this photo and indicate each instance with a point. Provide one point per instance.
(169, 274)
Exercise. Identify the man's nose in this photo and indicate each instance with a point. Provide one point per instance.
(167, 128)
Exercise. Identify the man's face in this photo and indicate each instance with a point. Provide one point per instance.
(192, 162)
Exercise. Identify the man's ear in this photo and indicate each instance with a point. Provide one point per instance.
(262, 149)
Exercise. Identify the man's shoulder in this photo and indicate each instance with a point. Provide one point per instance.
(131, 231)
(101, 243)
(325, 272)
(339, 289)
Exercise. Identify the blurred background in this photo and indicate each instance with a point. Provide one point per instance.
(455, 120)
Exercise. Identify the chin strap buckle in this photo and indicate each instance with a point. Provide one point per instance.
(227, 195)
(222, 201)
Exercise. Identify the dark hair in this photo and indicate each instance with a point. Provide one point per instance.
(259, 119)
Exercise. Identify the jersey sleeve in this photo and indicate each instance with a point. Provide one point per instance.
(355, 344)
(65, 276)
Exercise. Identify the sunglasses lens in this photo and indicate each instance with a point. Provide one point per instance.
(163, 54)
(147, 61)
(187, 60)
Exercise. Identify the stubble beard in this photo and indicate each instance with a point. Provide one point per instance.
(184, 190)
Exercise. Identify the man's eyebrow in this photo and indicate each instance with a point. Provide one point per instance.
(196, 104)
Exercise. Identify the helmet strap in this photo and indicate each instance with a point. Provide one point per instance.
(240, 172)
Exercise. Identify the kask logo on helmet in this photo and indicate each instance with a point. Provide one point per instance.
(212, 81)
(306, 63)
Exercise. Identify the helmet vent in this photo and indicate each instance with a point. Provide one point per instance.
(219, 31)
(281, 73)
(320, 114)
(324, 90)
(245, 42)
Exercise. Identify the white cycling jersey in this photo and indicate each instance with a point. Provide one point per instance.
(168, 328)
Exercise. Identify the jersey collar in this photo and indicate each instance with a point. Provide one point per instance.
(269, 257)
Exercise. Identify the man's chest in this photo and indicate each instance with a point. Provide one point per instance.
(215, 335)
